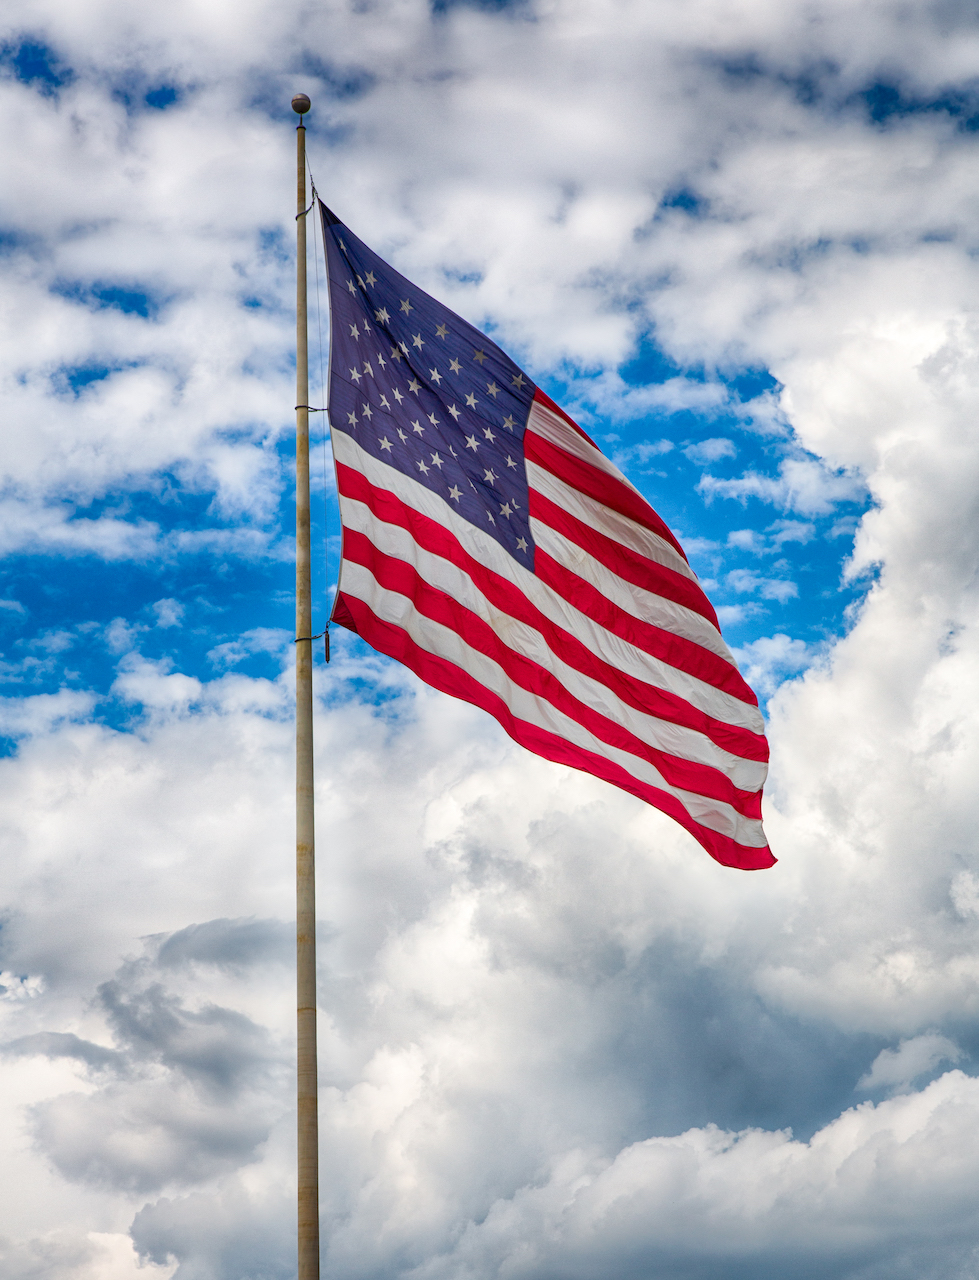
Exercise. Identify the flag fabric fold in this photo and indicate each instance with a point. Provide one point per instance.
(491, 547)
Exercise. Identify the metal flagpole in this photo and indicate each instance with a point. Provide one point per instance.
(308, 1153)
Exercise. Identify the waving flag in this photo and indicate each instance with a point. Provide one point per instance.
(491, 547)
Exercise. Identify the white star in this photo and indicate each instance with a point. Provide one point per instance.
(352, 287)
(480, 356)
(490, 476)
(435, 376)
(453, 452)
(471, 401)
(455, 366)
(518, 381)
(386, 445)
(341, 244)
(355, 375)
(488, 434)
(354, 331)
(395, 353)
(370, 278)
(381, 361)
(360, 282)
(433, 420)
(415, 386)
(418, 429)
(404, 348)
(493, 390)
(406, 306)
(418, 341)
(491, 520)
(437, 461)
(506, 510)
(510, 462)
(472, 443)
(441, 330)
(521, 544)
(367, 368)
(423, 466)
(397, 395)
(404, 438)
(368, 412)
(456, 413)
(383, 315)
(455, 494)
(509, 423)
(352, 419)
(385, 402)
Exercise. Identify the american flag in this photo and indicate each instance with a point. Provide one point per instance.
(491, 547)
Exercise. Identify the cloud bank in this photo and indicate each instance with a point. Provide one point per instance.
(556, 1040)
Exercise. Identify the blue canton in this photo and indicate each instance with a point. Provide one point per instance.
(424, 392)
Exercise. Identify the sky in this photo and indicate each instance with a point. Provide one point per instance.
(737, 240)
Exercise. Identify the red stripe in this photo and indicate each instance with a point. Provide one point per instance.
(667, 706)
(678, 651)
(623, 561)
(398, 576)
(597, 484)
(446, 676)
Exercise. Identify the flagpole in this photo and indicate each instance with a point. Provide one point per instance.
(308, 1129)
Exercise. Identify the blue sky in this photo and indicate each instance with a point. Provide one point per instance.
(738, 243)
(773, 561)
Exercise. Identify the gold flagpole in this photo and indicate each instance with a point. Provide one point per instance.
(308, 1152)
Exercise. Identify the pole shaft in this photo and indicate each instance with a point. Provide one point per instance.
(308, 1153)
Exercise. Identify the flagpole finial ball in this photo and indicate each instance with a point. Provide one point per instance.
(300, 104)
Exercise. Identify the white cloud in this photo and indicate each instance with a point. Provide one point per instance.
(729, 615)
(38, 712)
(783, 531)
(169, 613)
(746, 540)
(898, 1068)
(744, 582)
(759, 1202)
(706, 451)
(96, 1255)
(617, 400)
(768, 661)
(802, 485)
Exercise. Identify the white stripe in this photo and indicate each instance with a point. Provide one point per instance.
(545, 422)
(713, 702)
(526, 641)
(443, 642)
(604, 520)
(641, 604)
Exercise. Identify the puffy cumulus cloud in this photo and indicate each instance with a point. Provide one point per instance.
(898, 1068)
(524, 977)
(618, 401)
(96, 1255)
(803, 485)
(765, 663)
(752, 1203)
(169, 613)
(222, 1236)
(743, 582)
(710, 450)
